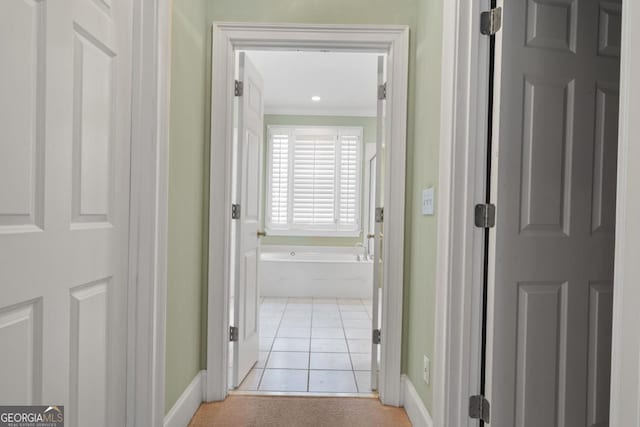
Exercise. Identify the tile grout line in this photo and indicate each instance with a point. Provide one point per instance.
(344, 332)
(310, 337)
(272, 342)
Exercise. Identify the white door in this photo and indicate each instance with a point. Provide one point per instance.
(249, 169)
(377, 247)
(64, 205)
(554, 179)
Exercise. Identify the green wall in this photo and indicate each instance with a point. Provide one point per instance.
(186, 310)
(187, 177)
(368, 125)
(420, 234)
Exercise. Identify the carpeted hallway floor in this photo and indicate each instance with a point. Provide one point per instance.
(275, 411)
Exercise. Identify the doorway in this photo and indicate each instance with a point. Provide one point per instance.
(302, 274)
(228, 39)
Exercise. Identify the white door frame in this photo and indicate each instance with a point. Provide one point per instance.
(465, 64)
(148, 212)
(393, 40)
(625, 358)
(462, 169)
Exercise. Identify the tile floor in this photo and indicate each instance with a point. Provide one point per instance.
(313, 346)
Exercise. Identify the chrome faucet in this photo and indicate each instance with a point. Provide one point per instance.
(365, 251)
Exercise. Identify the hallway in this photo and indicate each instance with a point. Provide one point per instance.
(299, 412)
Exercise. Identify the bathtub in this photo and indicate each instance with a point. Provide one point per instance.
(321, 272)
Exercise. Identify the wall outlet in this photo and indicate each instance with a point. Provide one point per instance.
(426, 370)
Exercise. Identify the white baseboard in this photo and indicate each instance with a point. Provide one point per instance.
(188, 403)
(413, 405)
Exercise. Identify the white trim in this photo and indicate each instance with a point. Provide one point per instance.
(462, 166)
(148, 214)
(188, 403)
(393, 40)
(625, 359)
(414, 407)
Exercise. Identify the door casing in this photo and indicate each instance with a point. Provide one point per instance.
(229, 37)
(148, 219)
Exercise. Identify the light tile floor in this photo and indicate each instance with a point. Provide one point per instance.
(313, 345)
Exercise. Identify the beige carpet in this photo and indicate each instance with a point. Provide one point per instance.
(299, 412)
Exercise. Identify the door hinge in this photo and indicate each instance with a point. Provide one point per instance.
(233, 333)
(375, 336)
(479, 408)
(491, 21)
(238, 88)
(485, 215)
(379, 214)
(235, 211)
(382, 91)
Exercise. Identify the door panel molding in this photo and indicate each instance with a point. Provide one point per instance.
(151, 78)
(23, 147)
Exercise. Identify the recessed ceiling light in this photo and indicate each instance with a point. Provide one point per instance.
(315, 98)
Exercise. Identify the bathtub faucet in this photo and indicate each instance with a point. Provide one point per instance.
(365, 251)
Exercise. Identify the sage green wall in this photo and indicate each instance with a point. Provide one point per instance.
(186, 312)
(420, 234)
(187, 177)
(368, 125)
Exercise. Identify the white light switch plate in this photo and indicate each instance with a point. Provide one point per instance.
(427, 201)
(426, 370)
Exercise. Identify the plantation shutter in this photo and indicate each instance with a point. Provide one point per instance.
(279, 178)
(314, 178)
(348, 198)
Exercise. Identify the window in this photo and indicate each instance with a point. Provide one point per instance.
(313, 176)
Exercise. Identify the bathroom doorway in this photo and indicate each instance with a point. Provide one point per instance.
(390, 42)
(303, 308)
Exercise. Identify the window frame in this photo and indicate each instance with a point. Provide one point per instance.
(302, 230)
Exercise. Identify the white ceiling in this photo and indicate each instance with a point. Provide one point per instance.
(345, 82)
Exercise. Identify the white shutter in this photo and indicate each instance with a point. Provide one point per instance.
(348, 202)
(314, 180)
(279, 178)
(314, 172)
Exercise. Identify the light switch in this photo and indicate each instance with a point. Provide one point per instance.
(426, 370)
(427, 201)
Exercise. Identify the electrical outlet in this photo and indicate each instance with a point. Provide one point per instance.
(426, 370)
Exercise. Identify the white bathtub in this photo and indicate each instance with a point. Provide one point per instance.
(321, 272)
